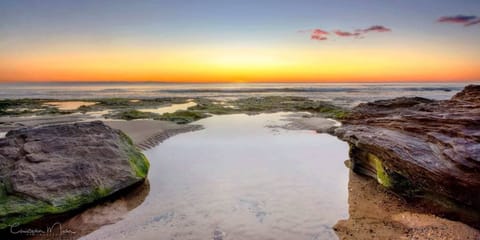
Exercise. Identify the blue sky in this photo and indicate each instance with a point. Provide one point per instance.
(29, 25)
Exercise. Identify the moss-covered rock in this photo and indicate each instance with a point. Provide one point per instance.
(137, 160)
(55, 169)
(128, 109)
(133, 114)
(183, 116)
(290, 104)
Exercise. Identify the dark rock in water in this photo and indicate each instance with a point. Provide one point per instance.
(54, 169)
(218, 235)
(421, 148)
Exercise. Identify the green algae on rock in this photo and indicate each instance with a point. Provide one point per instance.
(132, 114)
(131, 109)
(55, 169)
(183, 116)
(422, 149)
(382, 175)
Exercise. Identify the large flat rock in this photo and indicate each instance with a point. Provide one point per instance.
(421, 148)
(54, 169)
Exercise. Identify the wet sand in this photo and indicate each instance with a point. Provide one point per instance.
(149, 133)
(376, 213)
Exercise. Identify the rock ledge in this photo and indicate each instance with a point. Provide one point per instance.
(422, 149)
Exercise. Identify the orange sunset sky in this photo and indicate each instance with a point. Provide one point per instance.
(244, 41)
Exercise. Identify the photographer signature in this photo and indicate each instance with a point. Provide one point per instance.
(55, 230)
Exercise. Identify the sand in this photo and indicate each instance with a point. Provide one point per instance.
(148, 133)
(376, 213)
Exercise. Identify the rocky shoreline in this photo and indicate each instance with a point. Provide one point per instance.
(78, 141)
(426, 151)
(422, 149)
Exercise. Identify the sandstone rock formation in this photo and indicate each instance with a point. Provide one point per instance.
(54, 169)
(422, 149)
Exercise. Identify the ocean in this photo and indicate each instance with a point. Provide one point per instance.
(344, 94)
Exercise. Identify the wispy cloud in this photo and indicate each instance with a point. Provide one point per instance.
(341, 33)
(376, 28)
(315, 34)
(322, 35)
(474, 22)
(466, 20)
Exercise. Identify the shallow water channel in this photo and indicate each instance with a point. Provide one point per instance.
(240, 179)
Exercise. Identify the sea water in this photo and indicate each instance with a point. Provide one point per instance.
(345, 94)
(240, 179)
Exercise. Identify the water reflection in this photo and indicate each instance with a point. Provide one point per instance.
(169, 109)
(238, 179)
(107, 212)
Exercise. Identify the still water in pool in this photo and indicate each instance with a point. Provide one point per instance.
(239, 179)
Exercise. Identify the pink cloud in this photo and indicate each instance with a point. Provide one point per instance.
(460, 19)
(319, 38)
(376, 28)
(322, 35)
(463, 19)
(319, 34)
(346, 34)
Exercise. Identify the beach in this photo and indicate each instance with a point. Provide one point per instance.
(240, 120)
(296, 135)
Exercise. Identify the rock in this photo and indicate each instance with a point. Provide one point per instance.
(422, 149)
(58, 168)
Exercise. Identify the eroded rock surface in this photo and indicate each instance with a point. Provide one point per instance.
(54, 169)
(421, 148)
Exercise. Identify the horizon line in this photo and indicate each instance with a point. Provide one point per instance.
(228, 82)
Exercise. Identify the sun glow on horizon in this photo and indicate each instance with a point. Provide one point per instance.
(245, 64)
(251, 41)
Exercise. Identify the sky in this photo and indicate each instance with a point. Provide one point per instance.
(240, 41)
